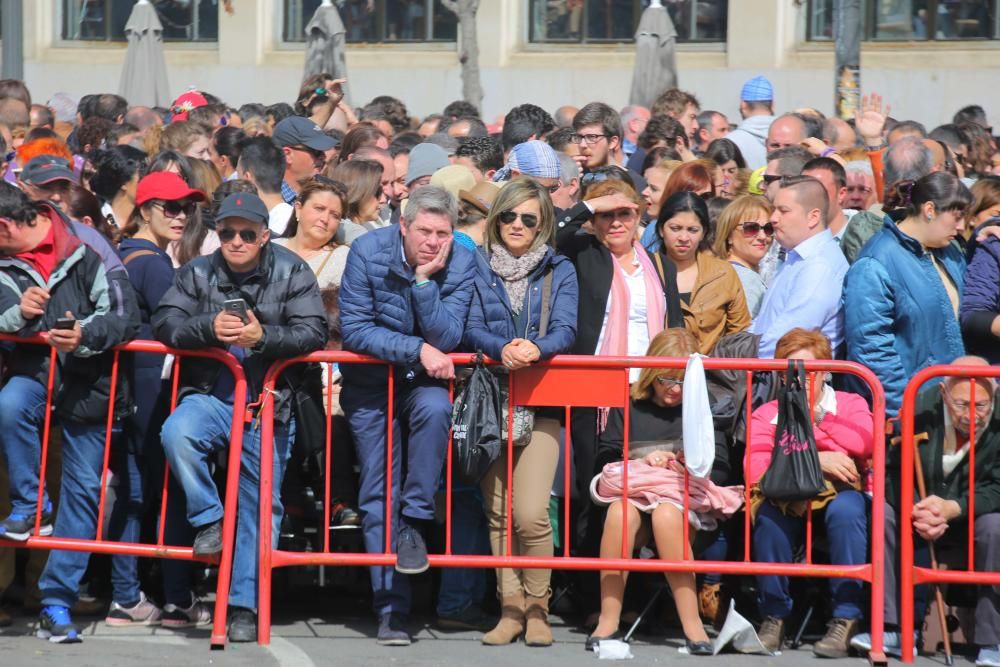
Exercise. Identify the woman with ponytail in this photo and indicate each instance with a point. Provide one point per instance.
(901, 296)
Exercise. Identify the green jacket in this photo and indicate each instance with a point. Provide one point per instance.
(929, 419)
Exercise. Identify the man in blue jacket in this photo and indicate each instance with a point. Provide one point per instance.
(404, 299)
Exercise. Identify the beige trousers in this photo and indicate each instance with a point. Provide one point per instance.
(534, 470)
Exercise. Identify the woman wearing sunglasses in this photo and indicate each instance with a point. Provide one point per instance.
(163, 203)
(743, 236)
(711, 295)
(523, 310)
(654, 436)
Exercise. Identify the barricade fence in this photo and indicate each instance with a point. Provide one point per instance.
(911, 574)
(100, 543)
(569, 382)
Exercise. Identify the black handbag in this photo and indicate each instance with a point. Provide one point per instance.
(476, 426)
(309, 412)
(794, 472)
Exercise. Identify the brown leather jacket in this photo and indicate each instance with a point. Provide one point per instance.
(718, 306)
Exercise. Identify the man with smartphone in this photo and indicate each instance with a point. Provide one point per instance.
(261, 303)
(404, 298)
(62, 279)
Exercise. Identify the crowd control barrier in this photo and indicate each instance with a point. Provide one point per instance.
(910, 574)
(576, 382)
(100, 544)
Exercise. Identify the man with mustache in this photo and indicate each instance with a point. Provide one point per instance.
(943, 413)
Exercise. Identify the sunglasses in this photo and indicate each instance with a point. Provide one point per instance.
(669, 383)
(770, 178)
(529, 220)
(751, 229)
(227, 234)
(173, 209)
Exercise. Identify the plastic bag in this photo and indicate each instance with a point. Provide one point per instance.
(476, 427)
(696, 413)
(794, 472)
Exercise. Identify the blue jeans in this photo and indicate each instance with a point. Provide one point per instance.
(83, 460)
(197, 429)
(463, 587)
(22, 414)
(775, 537)
(420, 441)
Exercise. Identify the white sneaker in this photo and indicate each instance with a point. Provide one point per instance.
(143, 613)
(892, 642)
(989, 656)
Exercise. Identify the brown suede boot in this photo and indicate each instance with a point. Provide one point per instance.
(511, 624)
(536, 614)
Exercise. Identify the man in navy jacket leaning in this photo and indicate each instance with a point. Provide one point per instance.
(404, 298)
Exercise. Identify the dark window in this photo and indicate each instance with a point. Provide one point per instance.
(912, 20)
(377, 20)
(104, 20)
(583, 21)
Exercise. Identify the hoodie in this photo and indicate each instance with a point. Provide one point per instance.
(750, 137)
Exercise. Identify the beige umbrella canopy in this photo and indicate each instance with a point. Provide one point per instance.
(655, 62)
(144, 76)
(325, 45)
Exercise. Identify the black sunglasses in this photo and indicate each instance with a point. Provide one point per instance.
(173, 209)
(227, 234)
(751, 229)
(770, 178)
(529, 220)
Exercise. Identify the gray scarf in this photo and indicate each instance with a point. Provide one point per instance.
(515, 271)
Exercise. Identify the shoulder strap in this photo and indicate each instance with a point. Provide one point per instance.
(546, 305)
(137, 253)
(319, 270)
(659, 268)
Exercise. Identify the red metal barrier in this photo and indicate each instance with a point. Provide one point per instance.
(158, 550)
(911, 575)
(576, 381)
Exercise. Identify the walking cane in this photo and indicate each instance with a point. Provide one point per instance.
(938, 597)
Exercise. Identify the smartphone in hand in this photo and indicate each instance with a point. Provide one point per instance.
(237, 307)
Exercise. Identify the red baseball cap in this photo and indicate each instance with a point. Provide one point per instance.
(188, 101)
(165, 185)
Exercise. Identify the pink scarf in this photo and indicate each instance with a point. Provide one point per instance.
(615, 341)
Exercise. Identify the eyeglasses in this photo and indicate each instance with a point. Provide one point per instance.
(173, 209)
(227, 234)
(751, 229)
(770, 178)
(529, 220)
(588, 138)
(863, 189)
(963, 406)
(317, 156)
(669, 383)
(553, 188)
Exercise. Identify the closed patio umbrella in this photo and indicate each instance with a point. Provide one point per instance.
(325, 44)
(655, 62)
(144, 76)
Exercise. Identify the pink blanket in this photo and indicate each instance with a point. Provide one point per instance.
(649, 486)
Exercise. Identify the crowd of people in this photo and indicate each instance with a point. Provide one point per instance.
(271, 232)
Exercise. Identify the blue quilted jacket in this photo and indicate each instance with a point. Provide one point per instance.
(383, 313)
(897, 316)
(491, 319)
(981, 301)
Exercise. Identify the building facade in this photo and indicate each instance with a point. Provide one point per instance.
(926, 57)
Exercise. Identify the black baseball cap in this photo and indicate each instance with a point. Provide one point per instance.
(45, 169)
(299, 131)
(243, 205)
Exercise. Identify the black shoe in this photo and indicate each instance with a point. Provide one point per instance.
(698, 648)
(411, 551)
(242, 625)
(208, 541)
(593, 640)
(392, 630)
(470, 618)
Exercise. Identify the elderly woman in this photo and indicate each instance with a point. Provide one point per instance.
(842, 427)
(655, 416)
(524, 309)
(627, 295)
(710, 291)
(743, 236)
(319, 208)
